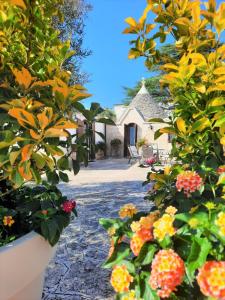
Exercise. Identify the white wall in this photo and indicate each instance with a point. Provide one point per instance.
(119, 110)
(100, 127)
(144, 131)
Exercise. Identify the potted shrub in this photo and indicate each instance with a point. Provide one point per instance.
(115, 147)
(176, 250)
(100, 149)
(36, 101)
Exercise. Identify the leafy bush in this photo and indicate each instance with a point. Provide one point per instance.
(37, 109)
(115, 142)
(176, 250)
(100, 146)
(40, 208)
(141, 142)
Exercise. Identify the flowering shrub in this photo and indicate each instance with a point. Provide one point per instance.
(188, 181)
(167, 272)
(181, 252)
(41, 208)
(211, 279)
(38, 109)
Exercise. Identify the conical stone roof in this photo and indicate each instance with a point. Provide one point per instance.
(146, 105)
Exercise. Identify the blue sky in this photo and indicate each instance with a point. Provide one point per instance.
(109, 66)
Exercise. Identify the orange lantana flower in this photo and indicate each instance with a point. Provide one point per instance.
(167, 272)
(127, 210)
(8, 221)
(136, 244)
(211, 279)
(189, 181)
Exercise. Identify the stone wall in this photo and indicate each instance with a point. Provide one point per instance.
(145, 130)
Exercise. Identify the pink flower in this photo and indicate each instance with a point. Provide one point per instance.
(150, 161)
(189, 181)
(69, 205)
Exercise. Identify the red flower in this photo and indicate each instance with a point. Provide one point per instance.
(221, 170)
(189, 181)
(150, 161)
(167, 272)
(68, 206)
(211, 279)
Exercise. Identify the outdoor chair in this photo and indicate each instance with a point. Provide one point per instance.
(164, 157)
(134, 154)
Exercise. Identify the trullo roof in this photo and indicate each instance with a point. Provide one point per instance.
(146, 105)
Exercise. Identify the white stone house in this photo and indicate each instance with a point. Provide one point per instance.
(132, 123)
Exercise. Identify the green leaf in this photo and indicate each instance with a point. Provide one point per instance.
(106, 121)
(157, 134)
(13, 156)
(146, 255)
(63, 176)
(200, 125)
(17, 178)
(76, 166)
(52, 177)
(108, 223)
(54, 233)
(198, 255)
(146, 291)
(36, 175)
(63, 163)
(130, 266)
(44, 230)
(39, 160)
(121, 251)
(54, 150)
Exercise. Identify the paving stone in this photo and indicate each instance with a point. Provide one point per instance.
(75, 273)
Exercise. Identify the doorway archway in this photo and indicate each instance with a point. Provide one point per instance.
(130, 136)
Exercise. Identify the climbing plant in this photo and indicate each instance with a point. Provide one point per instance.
(176, 250)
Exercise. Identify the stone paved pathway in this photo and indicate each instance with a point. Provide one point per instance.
(76, 273)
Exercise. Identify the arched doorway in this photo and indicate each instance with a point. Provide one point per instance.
(130, 136)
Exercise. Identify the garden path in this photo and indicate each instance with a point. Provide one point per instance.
(75, 273)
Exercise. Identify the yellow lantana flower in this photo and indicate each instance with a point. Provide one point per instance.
(127, 210)
(163, 227)
(171, 210)
(129, 296)
(210, 205)
(121, 279)
(193, 223)
(220, 222)
(8, 221)
(135, 226)
(111, 231)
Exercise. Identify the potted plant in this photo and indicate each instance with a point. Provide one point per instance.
(100, 149)
(141, 144)
(176, 250)
(115, 147)
(36, 101)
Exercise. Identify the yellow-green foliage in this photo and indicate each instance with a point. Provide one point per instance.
(36, 100)
(176, 251)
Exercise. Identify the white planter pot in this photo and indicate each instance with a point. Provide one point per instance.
(22, 267)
